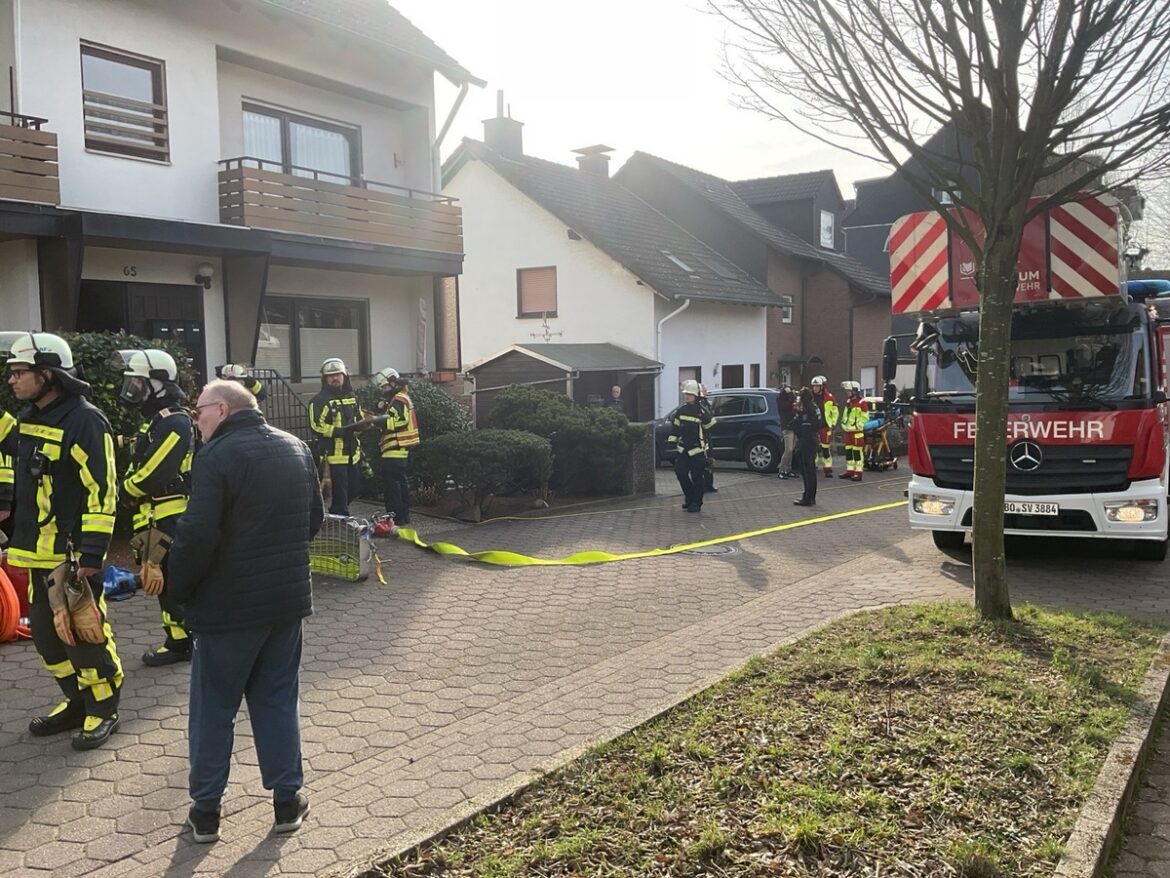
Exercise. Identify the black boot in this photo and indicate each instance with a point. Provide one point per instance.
(92, 736)
(66, 716)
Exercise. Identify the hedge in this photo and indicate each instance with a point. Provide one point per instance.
(482, 463)
(591, 446)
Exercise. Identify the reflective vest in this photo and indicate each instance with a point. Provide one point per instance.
(160, 467)
(854, 417)
(327, 414)
(400, 432)
(828, 406)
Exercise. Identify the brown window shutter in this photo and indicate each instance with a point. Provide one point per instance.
(537, 291)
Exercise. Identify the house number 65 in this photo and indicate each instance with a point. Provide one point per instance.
(130, 271)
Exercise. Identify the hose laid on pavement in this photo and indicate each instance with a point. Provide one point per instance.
(10, 627)
(503, 558)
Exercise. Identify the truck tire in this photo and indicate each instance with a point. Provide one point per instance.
(948, 540)
(1150, 550)
(761, 455)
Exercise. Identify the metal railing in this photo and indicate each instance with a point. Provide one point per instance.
(305, 173)
(282, 405)
(21, 121)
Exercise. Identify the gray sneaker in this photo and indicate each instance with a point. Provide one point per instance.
(290, 815)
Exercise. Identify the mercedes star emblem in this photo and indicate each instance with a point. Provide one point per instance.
(1025, 456)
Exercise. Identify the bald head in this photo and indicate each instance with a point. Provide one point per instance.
(234, 395)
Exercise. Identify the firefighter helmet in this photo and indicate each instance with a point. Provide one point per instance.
(851, 387)
(43, 350)
(691, 387)
(147, 373)
(233, 371)
(334, 366)
(386, 376)
(819, 381)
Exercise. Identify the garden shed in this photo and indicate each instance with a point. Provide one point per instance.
(583, 372)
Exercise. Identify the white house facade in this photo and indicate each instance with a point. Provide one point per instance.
(256, 179)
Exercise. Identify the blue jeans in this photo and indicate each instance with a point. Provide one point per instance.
(262, 665)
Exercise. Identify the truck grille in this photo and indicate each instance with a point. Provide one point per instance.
(1065, 469)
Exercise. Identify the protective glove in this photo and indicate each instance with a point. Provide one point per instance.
(84, 615)
(152, 578)
(150, 546)
(56, 580)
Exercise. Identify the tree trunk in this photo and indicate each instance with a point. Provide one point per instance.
(998, 279)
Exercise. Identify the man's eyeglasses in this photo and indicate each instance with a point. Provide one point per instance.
(206, 404)
(18, 373)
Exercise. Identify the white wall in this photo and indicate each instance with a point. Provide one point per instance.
(709, 335)
(150, 266)
(20, 292)
(598, 300)
(393, 304)
(184, 35)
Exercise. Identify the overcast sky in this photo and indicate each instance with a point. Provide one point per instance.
(632, 74)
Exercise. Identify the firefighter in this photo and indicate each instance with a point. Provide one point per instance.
(399, 434)
(61, 490)
(690, 425)
(158, 484)
(238, 372)
(853, 419)
(336, 418)
(825, 401)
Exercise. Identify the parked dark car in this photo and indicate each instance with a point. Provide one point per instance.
(747, 428)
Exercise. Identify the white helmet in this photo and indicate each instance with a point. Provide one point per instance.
(233, 371)
(851, 387)
(383, 378)
(819, 381)
(334, 366)
(691, 387)
(147, 373)
(44, 350)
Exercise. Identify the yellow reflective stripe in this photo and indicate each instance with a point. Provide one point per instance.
(167, 508)
(160, 454)
(38, 559)
(395, 453)
(174, 628)
(94, 503)
(42, 432)
(132, 489)
(7, 422)
(696, 451)
(98, 522)
(60, 670)
(6, 476)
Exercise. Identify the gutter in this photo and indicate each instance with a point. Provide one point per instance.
(658, 352)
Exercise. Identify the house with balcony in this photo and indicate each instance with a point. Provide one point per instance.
(256, 179)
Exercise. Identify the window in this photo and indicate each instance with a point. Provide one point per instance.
(124, 103)
(720, 268)
(298, 334)
(786, 309)
(828, 233)
(732, 376)
(755, 382)
(677, 261)
(728, 406)
(536, 292)
(301, 146)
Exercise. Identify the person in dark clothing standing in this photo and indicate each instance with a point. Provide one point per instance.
(336, 418)
(240, 568)
(709, 469)
(400, 434)
(807, 424)
(615, 400)
(691, 423)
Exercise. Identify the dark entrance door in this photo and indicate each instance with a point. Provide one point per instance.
(156, 311)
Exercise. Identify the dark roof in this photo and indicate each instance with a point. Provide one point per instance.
(787, 187)
(623, 225)
(601, 357)
(377, 20)
(720, 193)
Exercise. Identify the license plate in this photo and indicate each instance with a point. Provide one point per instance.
(1015, 507)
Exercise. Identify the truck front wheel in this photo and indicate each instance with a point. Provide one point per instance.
(1150, 550)
(948, 539)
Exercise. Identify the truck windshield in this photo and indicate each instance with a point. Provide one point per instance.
(1090, 354)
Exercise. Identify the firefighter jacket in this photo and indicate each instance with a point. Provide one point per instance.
(400, 432)
(255, 387)
(332, 415)
(59, 479)
(854, 415)
(159, 480)
(827, 403)
(689, 428)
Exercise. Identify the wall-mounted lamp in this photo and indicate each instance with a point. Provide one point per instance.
(204, 272)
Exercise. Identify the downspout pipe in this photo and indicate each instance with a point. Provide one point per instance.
(658, 355)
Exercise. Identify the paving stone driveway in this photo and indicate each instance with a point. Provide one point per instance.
(458, 681)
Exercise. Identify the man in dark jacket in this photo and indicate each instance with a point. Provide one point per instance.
(239, 565)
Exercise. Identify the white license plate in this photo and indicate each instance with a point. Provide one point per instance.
(1015, 507)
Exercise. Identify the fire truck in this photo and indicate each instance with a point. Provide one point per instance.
(1088, 416)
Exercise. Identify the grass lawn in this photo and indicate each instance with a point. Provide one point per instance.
(915, 741)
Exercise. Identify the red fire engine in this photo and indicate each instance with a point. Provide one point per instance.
(1087, 430)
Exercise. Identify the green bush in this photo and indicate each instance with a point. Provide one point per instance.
(591, 446)
(482, 463)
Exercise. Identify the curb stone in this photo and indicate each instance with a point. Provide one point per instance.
(1100, 822)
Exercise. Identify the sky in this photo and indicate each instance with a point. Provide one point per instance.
(632, 74)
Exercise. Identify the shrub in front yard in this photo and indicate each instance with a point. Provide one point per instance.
(482, 463)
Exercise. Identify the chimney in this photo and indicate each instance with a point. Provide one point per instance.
(503, 132)
(594, 159)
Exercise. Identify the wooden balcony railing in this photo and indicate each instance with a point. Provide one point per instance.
(28, 160)
(261, 194)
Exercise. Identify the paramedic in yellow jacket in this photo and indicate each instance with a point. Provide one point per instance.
(825, 401)
(158, 484)
(399, 434)
(853, 419)
(59, 484)
(336, 419)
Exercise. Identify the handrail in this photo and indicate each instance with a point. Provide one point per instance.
(283, 407)
(317, 174)
(21, 121)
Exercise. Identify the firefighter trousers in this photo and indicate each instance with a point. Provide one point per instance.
(177, 638)
(89, 673)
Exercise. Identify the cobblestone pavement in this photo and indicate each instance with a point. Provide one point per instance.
(1145, 851)
(460, 681)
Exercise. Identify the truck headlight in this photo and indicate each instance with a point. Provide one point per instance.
(932, 504)
(1131, 511)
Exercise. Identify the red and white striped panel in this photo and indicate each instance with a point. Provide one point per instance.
(1083, 244)
(919, 263)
